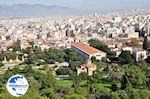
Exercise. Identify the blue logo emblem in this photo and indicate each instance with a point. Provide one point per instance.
(17, 85)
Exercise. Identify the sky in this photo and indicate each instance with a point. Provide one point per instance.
(86, 4)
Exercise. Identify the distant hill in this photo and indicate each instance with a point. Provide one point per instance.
(37, 10)
(25, 10)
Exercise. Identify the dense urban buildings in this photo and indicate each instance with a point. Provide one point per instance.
(47, 33)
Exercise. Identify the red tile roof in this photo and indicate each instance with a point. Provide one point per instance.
(86, 48)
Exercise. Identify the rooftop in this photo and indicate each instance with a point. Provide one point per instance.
(86, 48)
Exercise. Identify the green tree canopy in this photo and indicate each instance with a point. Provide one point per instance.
(100, 45)
(125, 57)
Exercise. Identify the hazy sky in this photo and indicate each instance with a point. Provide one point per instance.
(86, 4)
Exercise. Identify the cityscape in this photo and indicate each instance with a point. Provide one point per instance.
(94, 52)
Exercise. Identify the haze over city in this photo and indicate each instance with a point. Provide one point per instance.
(86, 5)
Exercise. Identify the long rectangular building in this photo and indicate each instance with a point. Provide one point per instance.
(87, 51)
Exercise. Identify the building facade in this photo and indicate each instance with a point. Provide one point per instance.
(87, 51)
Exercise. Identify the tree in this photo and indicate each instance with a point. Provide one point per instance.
(93, 58)
(136, 77)
(76, 83)
(10, 55)
(33, 90)
(63, 71)
(125, 57)
(74, 64)
(97, 76)
(1, 88)
(9, 73)
(71, 55)
(104, 59)
(124, 82)
(148, 60)
(16, 70)
(48, 80)
(115, 95)
(133, 94)
(90, 85)
(144, 94)
(100, 45)
(95, 43)
(123, 94)
(47, 92)
(28, 71)
(146, 43)
(31, 58)
(16, 46)
(114, 87)
(83, 76)
(82, 91)
(74, 96)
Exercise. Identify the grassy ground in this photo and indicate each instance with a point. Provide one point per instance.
(98, 86)
(64, 83)
(102, 87)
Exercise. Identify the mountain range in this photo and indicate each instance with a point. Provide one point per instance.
(26, 10)
(38, 10)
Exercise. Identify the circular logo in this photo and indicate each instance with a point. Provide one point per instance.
(17, 85)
